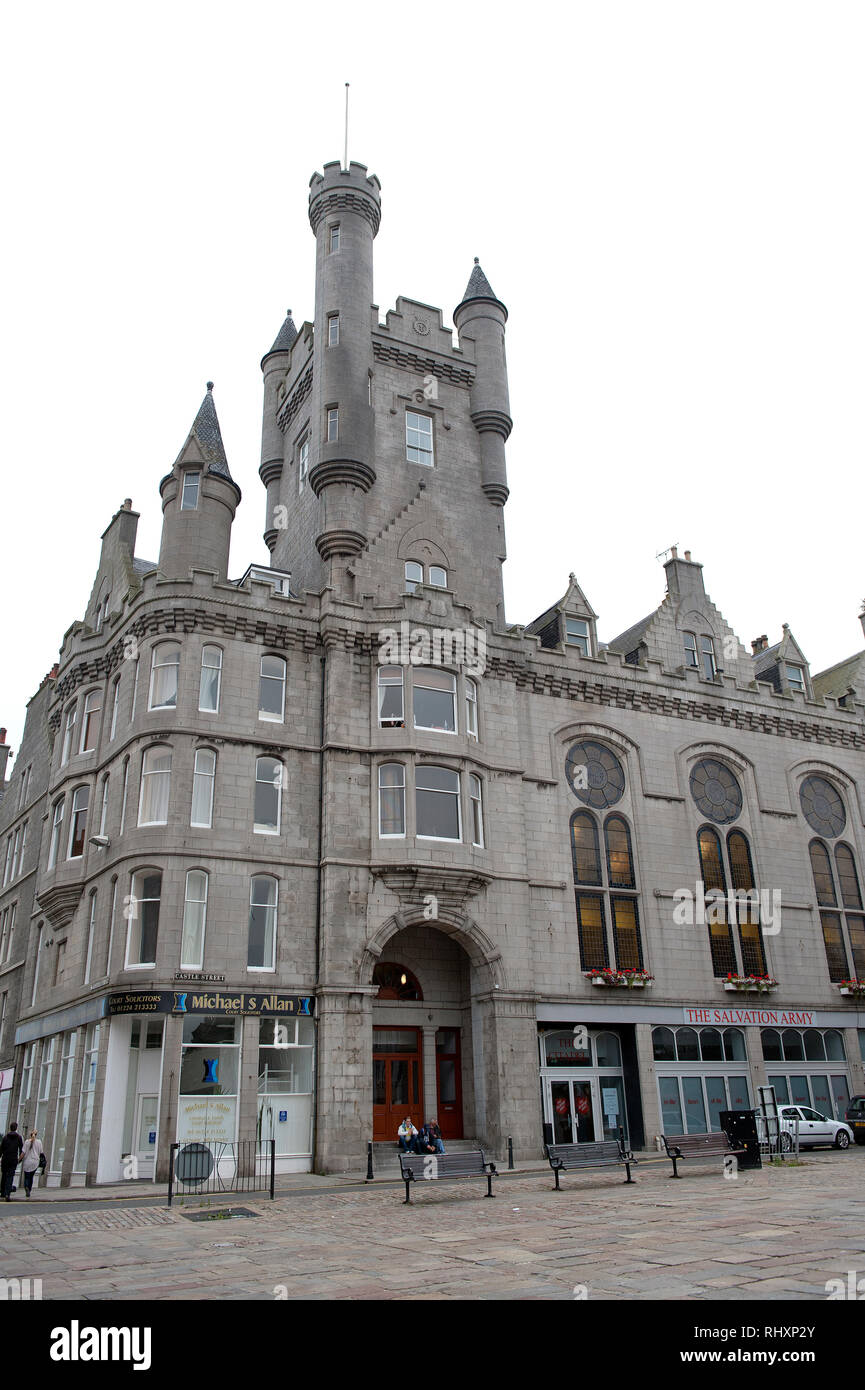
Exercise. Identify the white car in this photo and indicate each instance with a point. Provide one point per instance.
(814, 1128)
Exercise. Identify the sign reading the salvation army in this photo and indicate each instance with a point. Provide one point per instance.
(766, 1018)
(239, 1002)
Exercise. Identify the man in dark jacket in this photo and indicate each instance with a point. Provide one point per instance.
(10, 1154)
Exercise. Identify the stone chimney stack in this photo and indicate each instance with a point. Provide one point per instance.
(684, 577)
(760, 644)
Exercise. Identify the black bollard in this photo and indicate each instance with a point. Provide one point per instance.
(369, 1173)
(510, 1152)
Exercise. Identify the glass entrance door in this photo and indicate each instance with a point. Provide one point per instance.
(573, 1110)
(396, 1081)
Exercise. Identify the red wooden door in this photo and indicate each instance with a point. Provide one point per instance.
(397, 1082)
(449, 1083)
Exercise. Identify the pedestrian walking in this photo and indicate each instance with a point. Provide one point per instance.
(10, 1153)
(32, 1160)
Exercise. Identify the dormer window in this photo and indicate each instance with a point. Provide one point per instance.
(691, 659)
(577, 635)
(795, 677)
(189, 499)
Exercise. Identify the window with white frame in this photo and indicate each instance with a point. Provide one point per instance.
(115, 706)
(690, 645)
(477, 809)
(303, 462)
(91, 935)
(194, 918)
(68, 733)
(164, 673)
(413, 575)
(434, 699)
(471, 708)
(419, 438)
(7, 932)
(795, 677)
(155, 786)
(271, 689)
(7, 867)
(268, 796)
(203, 779)
(209, 1067)
(710, 668)
(25, 787)
(437, 803)
(103, 810)
(438, 577)
(211, 680)
(191, 487)
(56, 832)
(78, 822)
(59, 962)
(391, 800)
(391, 713)
(285, 1070)
(46, 1068)
(263, 901)
(333, 330)
(90, 721)
(123, 796)
(332, 424)
(333, 237)
(40, 947)
(143, 909)
(577, 635)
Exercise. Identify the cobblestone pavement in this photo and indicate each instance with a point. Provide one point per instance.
(773, 1234)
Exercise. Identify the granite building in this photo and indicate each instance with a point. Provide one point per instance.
(296, 854)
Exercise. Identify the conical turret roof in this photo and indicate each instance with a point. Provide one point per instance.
(204, 441)
(286, 335)
(478, 286)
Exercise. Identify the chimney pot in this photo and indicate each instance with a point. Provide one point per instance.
(127, 504)
(674, 552)
(2, 735)
(688, 556)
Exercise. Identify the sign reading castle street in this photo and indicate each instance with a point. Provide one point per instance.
(212, 1001)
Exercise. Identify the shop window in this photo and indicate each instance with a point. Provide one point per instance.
(88, 1094)
(663, 1045)
(209, 1072)
(608, 1050)
(285, 1081)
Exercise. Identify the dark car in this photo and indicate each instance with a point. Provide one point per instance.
(854, 1116)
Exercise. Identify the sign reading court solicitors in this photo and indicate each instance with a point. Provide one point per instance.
(211, 1001)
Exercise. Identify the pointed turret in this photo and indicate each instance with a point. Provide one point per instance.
(481, 316)
(199, 499)
(479, 287)
(275, 366)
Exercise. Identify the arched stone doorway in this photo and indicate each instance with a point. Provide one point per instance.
(422, 1047)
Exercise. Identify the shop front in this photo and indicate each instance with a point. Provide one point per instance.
(583, 1085)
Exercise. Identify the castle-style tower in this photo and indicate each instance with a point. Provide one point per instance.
(199, 500)
(481, 316)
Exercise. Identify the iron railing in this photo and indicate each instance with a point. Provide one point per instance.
(209, 1166)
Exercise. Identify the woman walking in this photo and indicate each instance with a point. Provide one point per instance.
(31, 1156)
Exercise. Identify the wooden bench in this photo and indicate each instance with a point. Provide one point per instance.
(697, 1146)
(570, 1158)
(443, 1167)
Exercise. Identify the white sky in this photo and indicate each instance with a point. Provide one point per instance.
(667, 196)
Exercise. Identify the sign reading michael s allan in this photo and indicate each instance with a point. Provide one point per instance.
(213, 1001)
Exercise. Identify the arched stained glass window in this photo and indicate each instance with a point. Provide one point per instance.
(741, 869)
(584, 843)
(822, 870)
(848, 879)
(620, 864)
(711, 862)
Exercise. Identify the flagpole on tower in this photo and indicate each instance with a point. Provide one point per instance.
(346, 126)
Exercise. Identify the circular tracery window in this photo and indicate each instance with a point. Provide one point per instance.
(595, 775)
(716, 792)
(822, 807)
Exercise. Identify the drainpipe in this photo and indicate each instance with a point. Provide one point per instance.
(318, 899)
